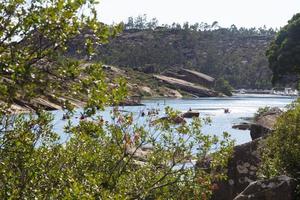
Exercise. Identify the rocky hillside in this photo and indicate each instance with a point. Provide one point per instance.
(164, 85)
(235, 55)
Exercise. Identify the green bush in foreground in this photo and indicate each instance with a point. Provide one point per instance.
(101, 159)
(281, 153)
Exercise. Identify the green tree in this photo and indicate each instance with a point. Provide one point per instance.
(223, 86)
(284, 52)
(130, 23)
(33, 34)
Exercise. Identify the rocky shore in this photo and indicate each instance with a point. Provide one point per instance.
(243, 182)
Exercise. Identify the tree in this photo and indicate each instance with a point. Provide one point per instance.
(152, 24)
(130, 23)
(102, 159)
(33, 35)
(284, 51)
(140, 21)
(223, 86)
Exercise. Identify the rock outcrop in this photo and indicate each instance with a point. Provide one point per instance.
(190, 114)
(168, 92)
(197, 77)
(242, 168)
(192, 76)
(263, 124)
(278, 188)
(187, 86)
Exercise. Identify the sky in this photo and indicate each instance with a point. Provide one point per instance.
(242, 13)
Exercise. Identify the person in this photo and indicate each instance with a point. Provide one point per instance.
(82, 116)
(190, 110)
(65, 116)
(226, 110)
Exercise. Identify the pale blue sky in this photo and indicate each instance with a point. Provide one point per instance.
(247, 13)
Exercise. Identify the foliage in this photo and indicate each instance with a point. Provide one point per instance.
(281, 152)
(223, 86)
(33, 34)
(284, 51)
(261, 111)
(101, 159)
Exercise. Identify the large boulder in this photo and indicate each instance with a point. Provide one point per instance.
(186, 86)
(242, 168)
(263, 124)
(278, 188)
(191, 76)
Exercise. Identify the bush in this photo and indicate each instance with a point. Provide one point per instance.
(261, 111)
(223, 86)
(104, 160)
(281, 152)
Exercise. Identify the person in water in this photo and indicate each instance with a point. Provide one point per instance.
(226, 110)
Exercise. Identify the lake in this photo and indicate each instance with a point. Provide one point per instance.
(241, 106)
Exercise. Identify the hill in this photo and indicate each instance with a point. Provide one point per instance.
(236, 55)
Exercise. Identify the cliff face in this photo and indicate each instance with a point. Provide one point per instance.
(235, 56)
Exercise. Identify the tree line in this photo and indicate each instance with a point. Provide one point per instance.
(234, 54)
(142, 22)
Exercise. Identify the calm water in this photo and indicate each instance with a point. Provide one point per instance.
(241, 106)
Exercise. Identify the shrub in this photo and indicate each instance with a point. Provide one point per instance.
(223, 86)
(281, 152)
(261, 111)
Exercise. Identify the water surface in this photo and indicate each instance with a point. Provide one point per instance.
(240, 106)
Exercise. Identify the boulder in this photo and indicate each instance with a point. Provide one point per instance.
(278, 188)
(171, 93)
(186, 86)
(197, 77)
(257, 131)
(145, 91)
(242, 126)
(190, 114)
(242, 168)
(263, 124)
